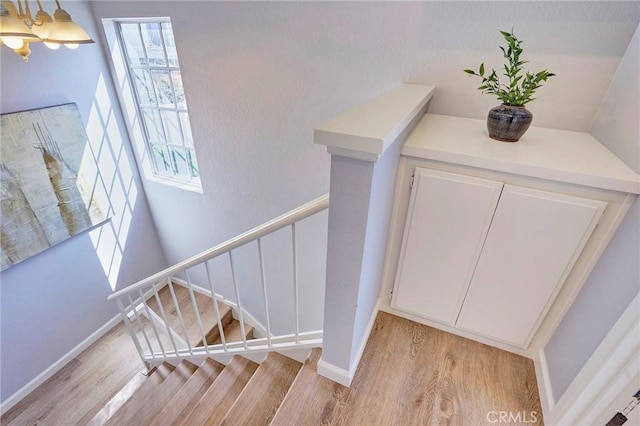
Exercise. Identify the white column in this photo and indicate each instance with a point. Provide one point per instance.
(364, 144)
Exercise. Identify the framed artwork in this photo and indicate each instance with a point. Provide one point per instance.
(49, 178)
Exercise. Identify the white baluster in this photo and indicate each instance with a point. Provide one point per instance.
(164, 318)
(153, 324)
(137, 317)
(295, 281)
(197, 311)
(179, 312)
(215, 307)
(264, 292)
(235, 286)
(129, 328)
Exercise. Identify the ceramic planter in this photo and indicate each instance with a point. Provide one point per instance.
(508, 123)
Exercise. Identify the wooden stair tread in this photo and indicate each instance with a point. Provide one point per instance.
(233, 333)
(219, 398)
(204, 305)
(127, 392)
(146, 403)
(260, 399)
(188, 396)
(299, 395)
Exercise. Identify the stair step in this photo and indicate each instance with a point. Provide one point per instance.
(139, 384)
(213, 335)
(189, 395)
(233, 333)
(204, 305)
(149, 400)
(219, 398)
(260, 399)
(290, 412)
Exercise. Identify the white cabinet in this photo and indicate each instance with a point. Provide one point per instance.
(495, 240)
(488, 257)
(448, 219)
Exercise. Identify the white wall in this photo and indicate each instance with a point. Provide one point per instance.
(615, 280)
(260, 75)
(56, 299)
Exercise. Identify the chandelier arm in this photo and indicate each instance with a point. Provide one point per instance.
(27, 14)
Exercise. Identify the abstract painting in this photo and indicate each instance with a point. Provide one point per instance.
(49, 177)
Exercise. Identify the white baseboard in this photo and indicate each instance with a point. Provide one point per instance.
(340, 375)
(57, 366)
(337, 374)
(355, 361)
(544, 383)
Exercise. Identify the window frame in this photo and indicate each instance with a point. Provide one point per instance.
(134, 109)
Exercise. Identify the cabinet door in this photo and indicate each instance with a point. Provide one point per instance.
(535, 239)
(447, 222)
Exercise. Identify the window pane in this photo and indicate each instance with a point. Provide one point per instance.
(193, 165)
(153, 124)
(161, 159)
(186, 128)
(170, 44)
(133, 44)
(143, 87)
(180, 162)
(162, 85)
(153, 44)
(176, 79)
(172, 127)
(152, 66)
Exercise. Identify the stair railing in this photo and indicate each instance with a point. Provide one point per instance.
(157, 341)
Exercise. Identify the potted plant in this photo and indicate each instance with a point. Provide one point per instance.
(509, 121)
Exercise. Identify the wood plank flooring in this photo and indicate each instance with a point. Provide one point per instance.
(409, 374)
(412, 374)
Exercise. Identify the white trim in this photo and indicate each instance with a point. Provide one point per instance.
(594, 388)
(340, 375)
(355, 361)
(371, 157)
(58, 365)
(547, 401)
(259, 330)
(331, 372)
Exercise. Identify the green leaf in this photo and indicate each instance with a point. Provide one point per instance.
(482, 68)
(470, 72)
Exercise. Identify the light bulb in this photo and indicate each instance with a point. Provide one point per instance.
(72, 45)
(13, 42)
(50, 45)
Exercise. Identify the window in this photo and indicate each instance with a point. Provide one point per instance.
(151, 62)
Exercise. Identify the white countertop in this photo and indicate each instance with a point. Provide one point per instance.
(559, 155)
(367, 130)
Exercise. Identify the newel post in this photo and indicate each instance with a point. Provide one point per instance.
(364, 144)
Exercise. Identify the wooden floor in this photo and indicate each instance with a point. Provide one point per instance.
(412, 374)
(409, 374)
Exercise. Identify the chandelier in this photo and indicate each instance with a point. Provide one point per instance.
(18, 28)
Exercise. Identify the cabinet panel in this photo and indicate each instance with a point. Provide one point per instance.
(447, 222)
(534, 240)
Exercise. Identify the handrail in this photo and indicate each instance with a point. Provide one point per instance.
(292, 216)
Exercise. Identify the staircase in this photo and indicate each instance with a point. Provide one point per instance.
(209, 361)
(240, 392)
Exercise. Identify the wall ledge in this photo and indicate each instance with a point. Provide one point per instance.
(366, 131)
